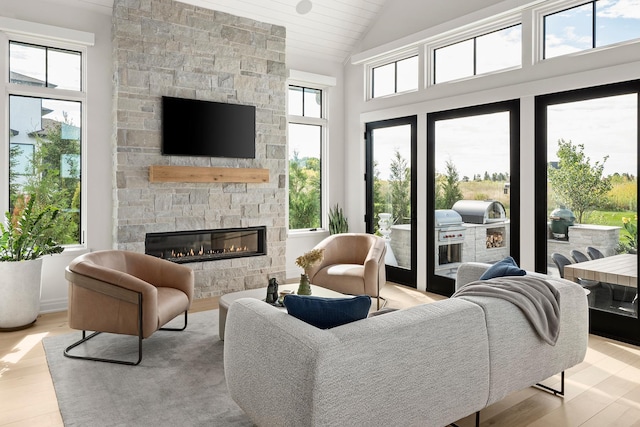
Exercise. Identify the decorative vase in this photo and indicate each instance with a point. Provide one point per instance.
(304, 288)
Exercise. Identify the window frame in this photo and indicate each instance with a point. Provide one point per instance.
(558, 6)
(472, 33)
(445, 285)
(45, 92)
(621, 328)
(393, 59)
(413, 53)
(323, 122)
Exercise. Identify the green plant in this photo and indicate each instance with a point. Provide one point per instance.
(25, 235)
(337, 221)
(630, 243)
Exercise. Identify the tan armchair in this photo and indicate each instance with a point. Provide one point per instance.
(353, 264)
(127, 293)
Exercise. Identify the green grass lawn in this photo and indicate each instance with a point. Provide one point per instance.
(609, 217)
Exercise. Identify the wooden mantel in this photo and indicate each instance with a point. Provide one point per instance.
(160, 173)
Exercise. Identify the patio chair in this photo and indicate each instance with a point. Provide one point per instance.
(594, 253)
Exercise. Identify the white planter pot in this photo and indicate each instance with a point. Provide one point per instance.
(19, 293)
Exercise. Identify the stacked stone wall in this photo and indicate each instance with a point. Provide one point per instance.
(163, 47)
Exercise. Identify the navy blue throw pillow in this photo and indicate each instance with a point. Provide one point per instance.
(505, 267)
(325, 313)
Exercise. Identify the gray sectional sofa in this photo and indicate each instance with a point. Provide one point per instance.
(428, 365)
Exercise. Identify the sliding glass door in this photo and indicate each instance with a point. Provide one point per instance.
(587, 199)
(391, 193)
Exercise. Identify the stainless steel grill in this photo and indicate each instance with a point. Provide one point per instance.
(450, 235)
(448, 224)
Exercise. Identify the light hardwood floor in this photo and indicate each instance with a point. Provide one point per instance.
(604, 390)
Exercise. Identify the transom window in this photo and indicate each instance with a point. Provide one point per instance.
(590, 25)
(305, 101)
(493, 51)
(395, 77)
(45, 133)
(44, 66)
(306, 133)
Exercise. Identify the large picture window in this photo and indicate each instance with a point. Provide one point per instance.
(306, 131)
(587, 197)
(473, 181)
(45, 133)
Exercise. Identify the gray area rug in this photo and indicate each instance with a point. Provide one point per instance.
(180, 381)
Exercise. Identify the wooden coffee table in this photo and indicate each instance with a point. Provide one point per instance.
(227, 299)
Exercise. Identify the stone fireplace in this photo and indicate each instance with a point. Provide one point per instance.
(164, 47)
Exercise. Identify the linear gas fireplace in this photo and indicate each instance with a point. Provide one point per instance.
(207, 245)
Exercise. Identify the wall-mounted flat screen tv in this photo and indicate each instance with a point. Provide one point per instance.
(192, 127)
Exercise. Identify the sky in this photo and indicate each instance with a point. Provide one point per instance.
(606, 127)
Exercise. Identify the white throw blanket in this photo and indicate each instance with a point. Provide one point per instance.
(536, 297)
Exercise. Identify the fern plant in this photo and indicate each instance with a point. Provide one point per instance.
(24, 236)
(337, 221)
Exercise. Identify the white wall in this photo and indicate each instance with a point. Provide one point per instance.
(585, 69)
(98, 171)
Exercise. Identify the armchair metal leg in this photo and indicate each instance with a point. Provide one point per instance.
(177, 329)
(99, 359)
(121, 362)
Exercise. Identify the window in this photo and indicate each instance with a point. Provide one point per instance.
(590, 25)
(473, 165)
(494, 51)
(395, 77)
(586, 191)
(306, 131)
(45, 118)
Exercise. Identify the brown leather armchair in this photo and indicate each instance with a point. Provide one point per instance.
(123, 292)
(353, 264)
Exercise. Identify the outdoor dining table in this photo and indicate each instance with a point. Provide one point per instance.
(617, 269)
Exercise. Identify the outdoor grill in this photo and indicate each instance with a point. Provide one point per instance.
(480, 211)
(449, 226)
(449, 234)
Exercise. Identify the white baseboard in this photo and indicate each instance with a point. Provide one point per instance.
(54, 305)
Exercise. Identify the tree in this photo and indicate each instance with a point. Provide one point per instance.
(304, 192)
(55, 180)
(400, 187)
(14, 153)
(575, 182)
(448, 191)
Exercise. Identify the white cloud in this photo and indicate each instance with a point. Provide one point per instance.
(620, 9)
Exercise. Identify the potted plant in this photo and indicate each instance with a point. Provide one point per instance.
(24, 239)
(337, 221)
(305, 262)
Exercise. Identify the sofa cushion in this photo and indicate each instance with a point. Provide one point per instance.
(505, 267)
(325, 313)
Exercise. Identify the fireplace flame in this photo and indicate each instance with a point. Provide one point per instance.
(191, 252)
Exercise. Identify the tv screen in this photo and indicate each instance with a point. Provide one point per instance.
(193, 127)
